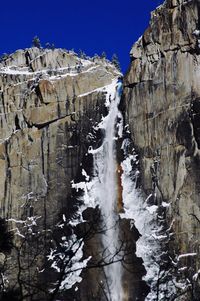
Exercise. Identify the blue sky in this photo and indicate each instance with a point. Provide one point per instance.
(93, 26)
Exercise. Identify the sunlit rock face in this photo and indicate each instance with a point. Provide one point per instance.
(162, 103)
(49, 101)
(51, 105)
(55, 107)
(47, 107)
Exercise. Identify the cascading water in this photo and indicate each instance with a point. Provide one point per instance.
(103, 190)
(105, 169)
(110, 185)
(120, 282)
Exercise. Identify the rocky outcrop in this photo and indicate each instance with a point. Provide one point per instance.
(162, 102)
(50, 99)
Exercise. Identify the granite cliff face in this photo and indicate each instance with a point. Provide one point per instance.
(162, 104)
(51, 105)
(50, 100)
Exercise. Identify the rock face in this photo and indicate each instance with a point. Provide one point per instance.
(162, 102)
(49, 102)
(50, 99)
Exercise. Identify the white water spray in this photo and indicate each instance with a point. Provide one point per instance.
(105, 168)
(102, 190)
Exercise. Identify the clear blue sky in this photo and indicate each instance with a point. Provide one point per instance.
(93, 26)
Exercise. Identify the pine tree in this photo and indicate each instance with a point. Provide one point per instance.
(95, 57)
(115, 61)
(4, 57)
(103, 55)
(52, 46)
(82, 54)
(48, 45)
(36, 42)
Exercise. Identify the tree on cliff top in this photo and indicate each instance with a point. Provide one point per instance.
(103, 55)
(50, 46)
(36, 42)
(115, 61)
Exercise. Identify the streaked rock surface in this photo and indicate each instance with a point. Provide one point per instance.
(162, 100)
(49, 102)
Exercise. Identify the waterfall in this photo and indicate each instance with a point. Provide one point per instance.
(105, 169)
(102, 191)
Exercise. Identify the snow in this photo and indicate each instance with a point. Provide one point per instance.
(136, 207)
(81, 67)
(186, 255)
(144, 217)
(10, 70)
(16, 70)
(165, 205)
(105, 192)
(196, 275)
(89, 187)
(182, 269)
(152, 209)
(100, 190)
(108, 89)
(28, 226)
(70, 266)
(4, 281)
(149, 245)
(85, 175)
(16, 221)
(196, 32)
(17, 232)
